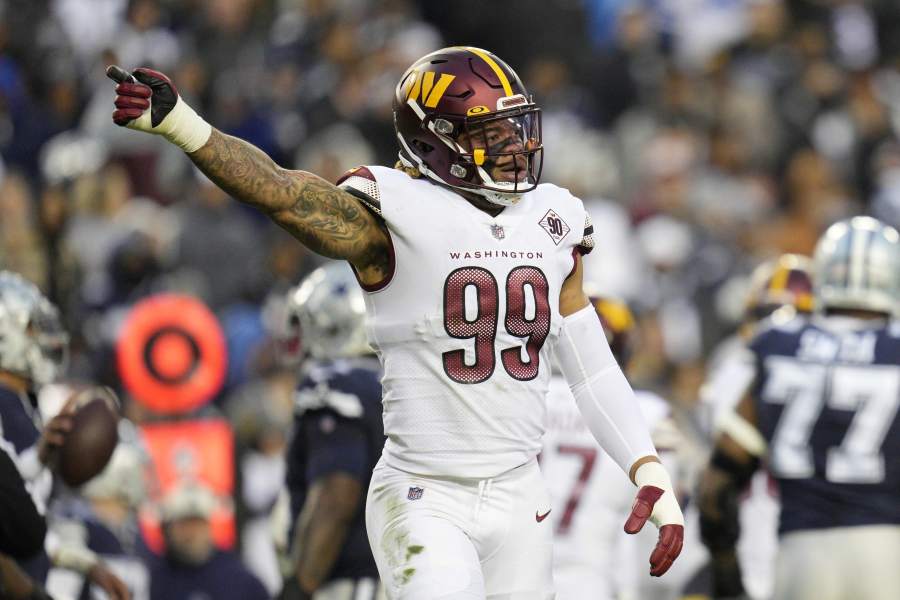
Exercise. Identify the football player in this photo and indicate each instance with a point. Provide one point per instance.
(33, 347)
(592, 556)
(473, 273)
(102, 520)
(822, 410)
(337, 439)
(785, 281)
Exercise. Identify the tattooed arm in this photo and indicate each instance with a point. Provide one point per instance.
(326, 219)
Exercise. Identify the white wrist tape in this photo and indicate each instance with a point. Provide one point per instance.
(74, 558)
(666, 510)
(602, 392)
(182, 126)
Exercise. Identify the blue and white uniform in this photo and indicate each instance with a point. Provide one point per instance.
(827, 395)
(338, 428)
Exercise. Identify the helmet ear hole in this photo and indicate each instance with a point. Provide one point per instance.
(422, 146)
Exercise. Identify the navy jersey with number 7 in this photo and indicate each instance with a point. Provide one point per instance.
(827, 396)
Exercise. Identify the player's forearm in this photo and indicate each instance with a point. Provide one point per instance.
(324, 218)
(247, 173)
(602, 393)
(14, 583)
(322, 526)
(319, 541)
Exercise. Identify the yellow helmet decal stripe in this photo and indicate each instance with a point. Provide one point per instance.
(414, 89)
(438, 90)
(504, 80)
(423, 85)
(779, 279)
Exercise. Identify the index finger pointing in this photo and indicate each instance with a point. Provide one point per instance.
(119, 75)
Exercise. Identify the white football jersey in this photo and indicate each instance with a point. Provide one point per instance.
(593, 558)
(464, 324)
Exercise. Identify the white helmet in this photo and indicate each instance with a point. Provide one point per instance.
(330, 309)
(857, 266)
(33, 343)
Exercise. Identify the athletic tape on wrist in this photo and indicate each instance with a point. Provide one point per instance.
(75, 558)
(666, 510)
(182, 126)
(188, 130)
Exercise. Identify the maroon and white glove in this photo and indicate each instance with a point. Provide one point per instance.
(656, 502)
(148, 101)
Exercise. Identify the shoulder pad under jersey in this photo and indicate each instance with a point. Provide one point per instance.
(362, 184)
(587, 240)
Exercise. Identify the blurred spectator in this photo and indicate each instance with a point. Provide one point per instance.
(213, 231)
(192, 565)
(21, 243)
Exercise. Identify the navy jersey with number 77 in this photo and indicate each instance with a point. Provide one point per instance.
(827, 396)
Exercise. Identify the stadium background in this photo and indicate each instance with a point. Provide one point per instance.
(704, 136)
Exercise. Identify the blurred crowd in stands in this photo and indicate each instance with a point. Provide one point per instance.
(704, 136)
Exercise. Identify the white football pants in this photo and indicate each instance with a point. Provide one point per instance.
(461, 539)
(350, 589)
(842, 563)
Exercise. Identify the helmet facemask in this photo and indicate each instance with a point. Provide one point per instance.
(500, 155)
(496, 155)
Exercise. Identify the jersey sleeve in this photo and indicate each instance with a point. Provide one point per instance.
(361, 183)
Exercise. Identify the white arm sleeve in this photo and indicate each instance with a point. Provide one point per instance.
(602, 392)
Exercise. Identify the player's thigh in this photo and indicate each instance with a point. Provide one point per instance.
(422, 553)
(807, 568)
(519, 565)
(872, 558)
(845, 563)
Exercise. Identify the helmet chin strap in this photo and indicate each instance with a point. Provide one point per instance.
(492, 196)
(495, 197)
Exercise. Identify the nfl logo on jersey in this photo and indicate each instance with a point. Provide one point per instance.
(498, 232)
(414, 493)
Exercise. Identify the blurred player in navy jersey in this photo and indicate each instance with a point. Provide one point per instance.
(338, 438)
(823, 410)
(785, 281)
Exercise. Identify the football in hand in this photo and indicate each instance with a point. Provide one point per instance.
(90, 443)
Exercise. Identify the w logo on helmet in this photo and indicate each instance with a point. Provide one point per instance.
(431, 93)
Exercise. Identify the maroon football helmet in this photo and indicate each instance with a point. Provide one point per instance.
(464, 119)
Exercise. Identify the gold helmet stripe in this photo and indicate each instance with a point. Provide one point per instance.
(504, 80)
(780, 279)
